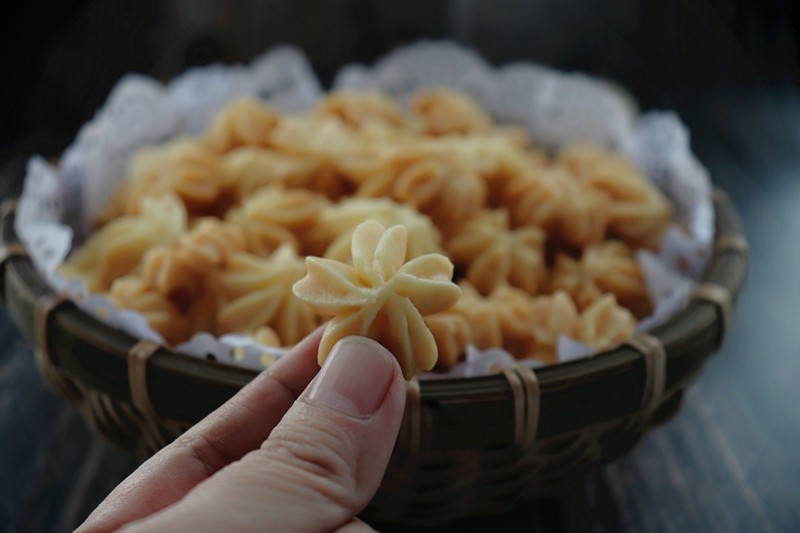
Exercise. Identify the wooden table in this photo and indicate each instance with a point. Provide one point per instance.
(729, 461)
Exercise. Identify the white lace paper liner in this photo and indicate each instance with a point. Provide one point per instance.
(58, 203)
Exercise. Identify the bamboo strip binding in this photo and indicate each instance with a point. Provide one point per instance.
(7, 252)
(731, 243)
(43, 310)
(526, 393)
(721, 298)
(138, 357)
(655, 360)
(156, 431)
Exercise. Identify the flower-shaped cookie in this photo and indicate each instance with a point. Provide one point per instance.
(118, 247)
(371, 173)
(583, 216)
(180, 270)
(291, 208)
(496, 158)
(452, 334)
(536, 197)
(482, 315)
(570, 275)
(496, 319)
(638, 213)
(444, 111)
(604, 324)
(131, 292)
(334, 230)
(514, 309)
(551, 316)
(343, 154)
(493, 254)
(608, 267)
(318, 137)
(381, 296)
(173, 286)
(258, 292)
(262, 237)
(273, 216)
(243, 122)
(250, 168)
(357, 109)
(185, 167)
(573, 213)
(437, 184)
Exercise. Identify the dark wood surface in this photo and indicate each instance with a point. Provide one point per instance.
(729, 461)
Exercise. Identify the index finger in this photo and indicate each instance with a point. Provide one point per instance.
(238, 426)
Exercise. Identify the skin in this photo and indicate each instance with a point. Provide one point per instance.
(298, 449)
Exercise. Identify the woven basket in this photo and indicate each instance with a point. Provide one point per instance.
(466, 446)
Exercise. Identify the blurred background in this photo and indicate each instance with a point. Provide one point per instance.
(730, 68)
(62, 58)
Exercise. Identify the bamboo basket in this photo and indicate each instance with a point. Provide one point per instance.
(466, 446)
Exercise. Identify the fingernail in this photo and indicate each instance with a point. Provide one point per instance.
(355, 377)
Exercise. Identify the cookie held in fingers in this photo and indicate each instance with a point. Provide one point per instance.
(381, 296)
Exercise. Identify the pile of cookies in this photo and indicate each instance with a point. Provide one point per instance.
(210, 233)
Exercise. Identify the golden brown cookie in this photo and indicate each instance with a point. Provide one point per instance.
(381, 296)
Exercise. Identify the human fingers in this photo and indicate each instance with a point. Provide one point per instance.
(321, 464)
(238, 426)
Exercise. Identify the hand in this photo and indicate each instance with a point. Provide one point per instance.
(281, 455)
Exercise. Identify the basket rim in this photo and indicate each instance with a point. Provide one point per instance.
(705, 316)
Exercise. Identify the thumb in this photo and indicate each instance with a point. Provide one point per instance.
(321, 464)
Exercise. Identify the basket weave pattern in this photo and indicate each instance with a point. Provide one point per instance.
(465, 447)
